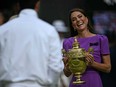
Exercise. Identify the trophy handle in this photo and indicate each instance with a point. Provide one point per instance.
(65, 57)
(90, 50)
(64, 52)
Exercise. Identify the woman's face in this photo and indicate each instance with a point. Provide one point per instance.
(79, 21)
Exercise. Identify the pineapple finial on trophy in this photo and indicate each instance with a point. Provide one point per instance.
(76, 43)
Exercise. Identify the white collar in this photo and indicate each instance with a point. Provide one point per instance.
(29, 12)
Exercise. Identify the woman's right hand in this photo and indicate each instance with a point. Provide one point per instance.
(67, 71)
(65, 60)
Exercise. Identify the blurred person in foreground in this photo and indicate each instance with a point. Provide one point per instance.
(61, 28)
(30, 54)
(99, 60)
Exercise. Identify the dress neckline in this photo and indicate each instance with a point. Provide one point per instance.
(86, 37)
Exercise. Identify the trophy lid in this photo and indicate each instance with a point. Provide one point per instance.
(76, 43)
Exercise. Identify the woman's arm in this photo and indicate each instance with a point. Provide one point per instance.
(105, 66)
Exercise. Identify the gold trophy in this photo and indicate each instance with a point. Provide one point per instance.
(77, 63)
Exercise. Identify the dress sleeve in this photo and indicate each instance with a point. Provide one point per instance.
(67, 44)
(104, 43)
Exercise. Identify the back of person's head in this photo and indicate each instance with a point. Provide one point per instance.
(8, 8)
(25, 4)
(7, 4)
(6, 14)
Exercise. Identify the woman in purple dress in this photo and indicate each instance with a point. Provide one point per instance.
(98, 61)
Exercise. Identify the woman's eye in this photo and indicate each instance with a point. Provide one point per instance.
(79, 16)
(73, 19)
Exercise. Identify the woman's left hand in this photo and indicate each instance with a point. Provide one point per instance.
(89, 58)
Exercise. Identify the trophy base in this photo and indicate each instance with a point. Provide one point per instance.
(78, 82)
(78, 78)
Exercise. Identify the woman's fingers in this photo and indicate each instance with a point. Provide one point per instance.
(89, 58)
(65, 60)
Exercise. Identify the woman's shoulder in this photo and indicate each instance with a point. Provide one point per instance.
(68, 40)
(102, 36)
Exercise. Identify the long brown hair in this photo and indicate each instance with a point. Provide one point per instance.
(72, 31)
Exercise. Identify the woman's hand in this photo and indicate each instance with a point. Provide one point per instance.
(65, 60)
(89, 58)
(66, 65)
(66, 70)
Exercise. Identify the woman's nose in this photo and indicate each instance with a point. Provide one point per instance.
(78, 19)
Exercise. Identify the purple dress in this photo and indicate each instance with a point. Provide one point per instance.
(100, 45)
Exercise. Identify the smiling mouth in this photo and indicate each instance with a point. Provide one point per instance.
(80, 23)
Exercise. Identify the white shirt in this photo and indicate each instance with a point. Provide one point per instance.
(29, 50)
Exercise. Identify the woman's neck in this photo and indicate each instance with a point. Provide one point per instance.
(85, 34)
